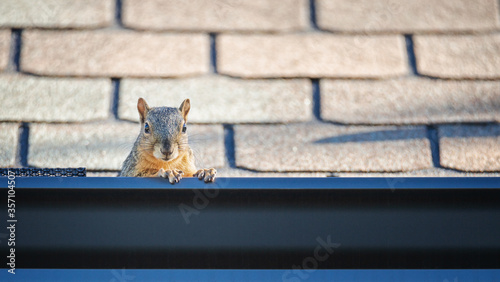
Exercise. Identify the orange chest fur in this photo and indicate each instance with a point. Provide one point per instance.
(148, 165)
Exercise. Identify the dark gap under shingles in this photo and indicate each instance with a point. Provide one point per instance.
(15, 51)
(316, 99)
(313, 15)
(22, 145)
(118, 13)
(434, 142)
(213, 52)
(229, 145)
(410, 50)
(115, 96)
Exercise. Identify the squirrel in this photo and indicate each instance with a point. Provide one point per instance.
(162, 149)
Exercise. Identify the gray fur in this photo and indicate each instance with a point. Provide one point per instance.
(166, 125)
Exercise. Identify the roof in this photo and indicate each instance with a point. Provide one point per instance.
(277, 88)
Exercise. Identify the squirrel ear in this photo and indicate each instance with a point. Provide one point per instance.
(143, 109)
(184, 108)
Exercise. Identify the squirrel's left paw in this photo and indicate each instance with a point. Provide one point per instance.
(207, 174)
(173, 175)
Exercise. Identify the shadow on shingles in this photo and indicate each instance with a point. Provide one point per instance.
(376, 136)
(467, 131)
(489, 130)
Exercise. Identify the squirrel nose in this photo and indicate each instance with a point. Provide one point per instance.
(167, 152)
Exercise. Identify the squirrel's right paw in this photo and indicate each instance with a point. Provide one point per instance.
(173, 175)
(207, 174)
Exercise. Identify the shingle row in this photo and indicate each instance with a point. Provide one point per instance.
(304, 147)
(409, 16)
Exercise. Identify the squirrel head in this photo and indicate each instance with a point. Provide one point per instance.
(163, 130)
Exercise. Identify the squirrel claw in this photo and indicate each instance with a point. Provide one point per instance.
(173, 176)
(207, 174)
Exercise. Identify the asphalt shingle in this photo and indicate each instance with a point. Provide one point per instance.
(458, 56)
(30, 98)
(238, 172)
(218, 99)
(114, 53)
(470, 147)
(94, 146)
(409, 101)
(207, 142)
(431, 172)
(241, 15)
(408, 16)
(277, 88)
(8, 144)
(326, 147)
(4, 48)
(311, 55)
(104, 146)
(56, 13)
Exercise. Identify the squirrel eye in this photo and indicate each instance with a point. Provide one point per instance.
(184, 128)
(146, 128)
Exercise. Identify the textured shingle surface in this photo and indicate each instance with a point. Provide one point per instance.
(459, 56)
(431, 172)
(29, 98)
(207, 142)
(94, 146)
(470, 148)
(8, 143)
(282, 88)
(56, 13)
(410, 101)
(242, 15)
(325, 147)
(408, 16)
(238, 172)
(222, 99)
(114, 54)
(4, 48)
(312, 55)
(104, 146)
